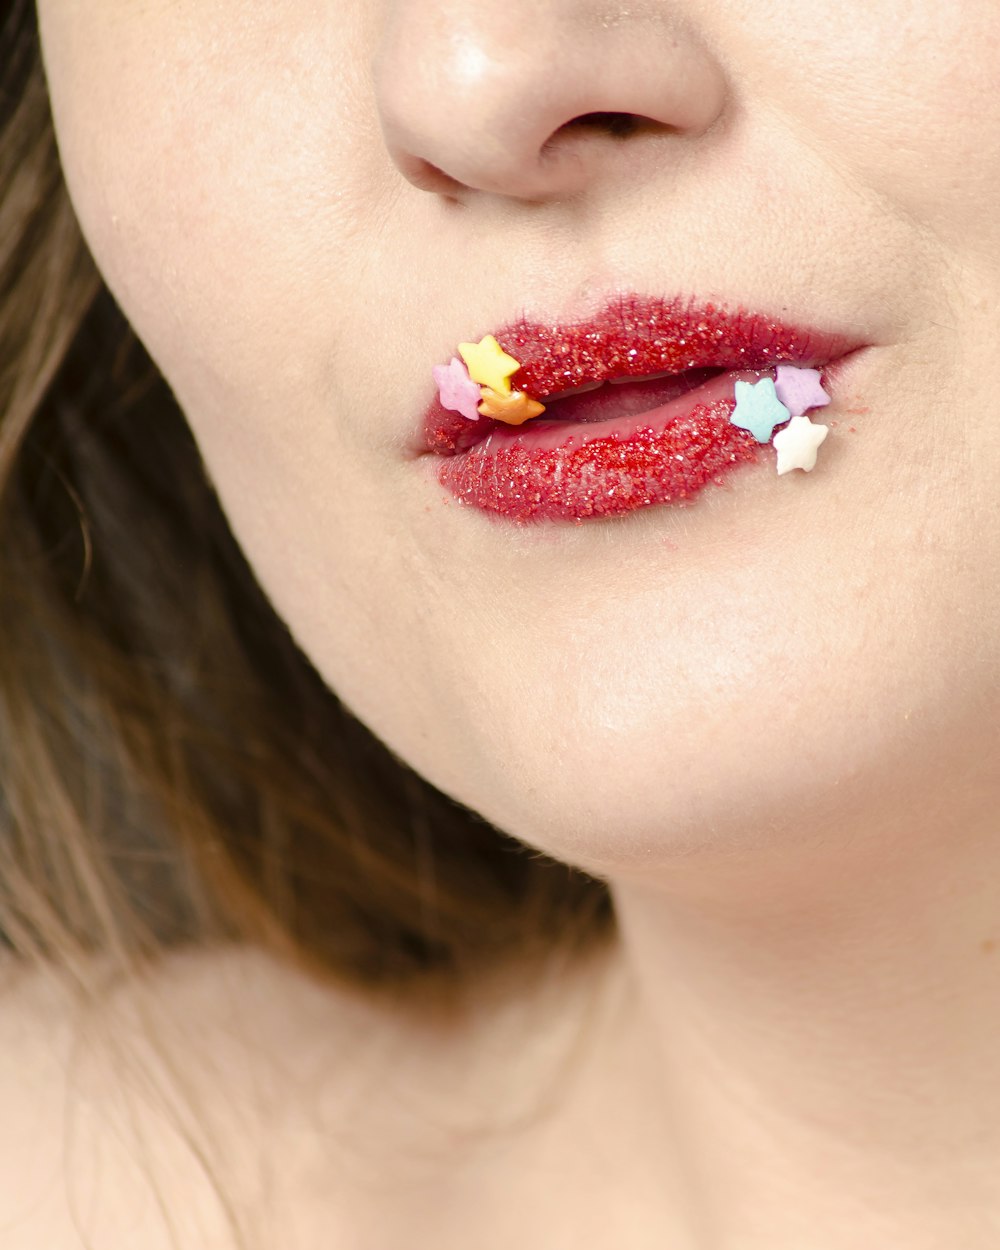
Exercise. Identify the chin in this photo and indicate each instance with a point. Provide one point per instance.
(608, 797)
(642, 779)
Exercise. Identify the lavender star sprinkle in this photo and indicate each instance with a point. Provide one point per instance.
(799, 389)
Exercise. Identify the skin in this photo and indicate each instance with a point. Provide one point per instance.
(770, 719)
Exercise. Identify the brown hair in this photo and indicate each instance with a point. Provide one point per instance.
(173, 770)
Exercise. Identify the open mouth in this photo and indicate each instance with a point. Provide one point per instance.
(623, 397)
(601, 402)
(615, 410)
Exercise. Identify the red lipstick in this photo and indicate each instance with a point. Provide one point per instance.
(617, 445)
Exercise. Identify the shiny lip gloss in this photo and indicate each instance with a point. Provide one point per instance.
(603, 452)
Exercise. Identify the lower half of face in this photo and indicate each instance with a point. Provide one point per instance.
(776, 659)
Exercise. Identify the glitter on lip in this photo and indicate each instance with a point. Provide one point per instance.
(666, 455)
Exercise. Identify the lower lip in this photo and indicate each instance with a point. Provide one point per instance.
(565, 471)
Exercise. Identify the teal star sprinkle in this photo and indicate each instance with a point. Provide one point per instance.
(758, 409)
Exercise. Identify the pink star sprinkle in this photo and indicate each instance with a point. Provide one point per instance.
(799, 389)
(457, 390)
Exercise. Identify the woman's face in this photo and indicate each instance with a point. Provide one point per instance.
(304, 207)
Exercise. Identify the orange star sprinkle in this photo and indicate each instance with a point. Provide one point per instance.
(514, 409)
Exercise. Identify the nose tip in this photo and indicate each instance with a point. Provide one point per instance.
(531, 100)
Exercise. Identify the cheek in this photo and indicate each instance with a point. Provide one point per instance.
(206, 158)
(224, 173)
(901, 101)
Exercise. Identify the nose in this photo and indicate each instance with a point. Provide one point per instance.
(533, 99)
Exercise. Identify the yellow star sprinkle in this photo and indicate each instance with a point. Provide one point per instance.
(514, 409)
(489, 364)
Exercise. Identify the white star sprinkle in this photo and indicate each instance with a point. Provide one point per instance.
(797, 444)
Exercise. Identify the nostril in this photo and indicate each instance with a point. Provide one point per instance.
(620, 125)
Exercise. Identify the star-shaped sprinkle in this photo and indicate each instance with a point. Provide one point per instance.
(489, 364)
(796, 444)
(799, 389)
(514, 409)
(457, 390)
(758, 409)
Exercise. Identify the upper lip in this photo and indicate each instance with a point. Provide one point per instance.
(636, 336)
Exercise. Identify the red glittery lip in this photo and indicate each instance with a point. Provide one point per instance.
(594, 455)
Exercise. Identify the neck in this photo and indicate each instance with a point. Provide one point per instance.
(818, 1037)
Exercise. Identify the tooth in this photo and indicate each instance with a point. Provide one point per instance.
(647, 377)
(579, 390)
